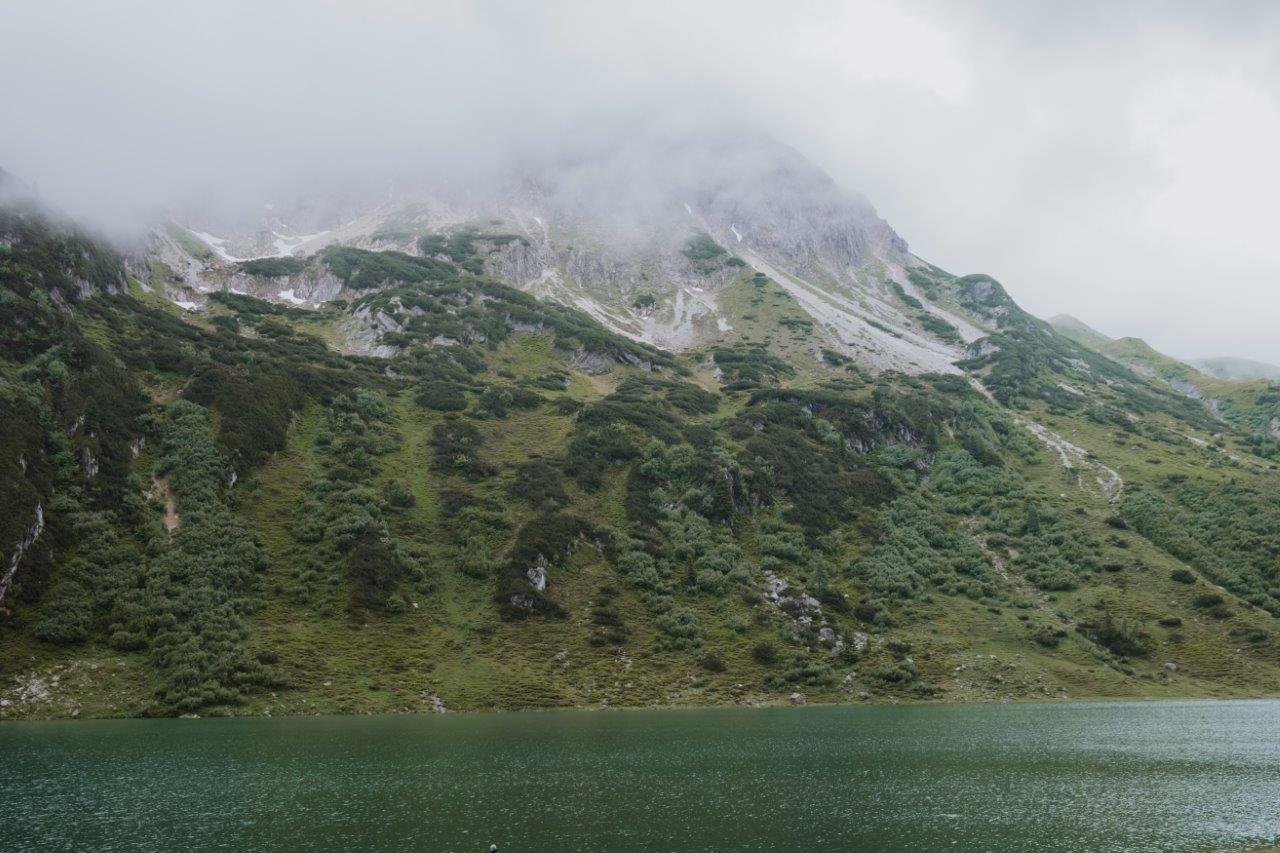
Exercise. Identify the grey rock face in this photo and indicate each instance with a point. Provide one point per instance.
(537, 575)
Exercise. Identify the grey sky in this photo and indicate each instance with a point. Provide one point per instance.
(1111, 160)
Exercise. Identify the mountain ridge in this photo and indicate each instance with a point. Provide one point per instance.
(399, 483)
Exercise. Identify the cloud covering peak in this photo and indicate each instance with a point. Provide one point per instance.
(1111, 160)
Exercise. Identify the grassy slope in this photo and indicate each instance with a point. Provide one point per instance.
(457, 647)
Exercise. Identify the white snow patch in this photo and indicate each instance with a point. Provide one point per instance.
(688, 209)
(723, 325)
(217, 244)
(288, 296)
(734, 229)
(186, 306)
(285, 244)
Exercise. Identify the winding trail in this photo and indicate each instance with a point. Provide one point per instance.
(171, 518)
(1070, 456)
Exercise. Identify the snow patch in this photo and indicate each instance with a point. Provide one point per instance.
(217, 244)
(734, 229)
(186, 306)
(723, 325)
(288, 296)
(285, 245)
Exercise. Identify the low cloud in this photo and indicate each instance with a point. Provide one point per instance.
(1114, 161)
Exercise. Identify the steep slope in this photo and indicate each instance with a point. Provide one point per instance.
(428, 488)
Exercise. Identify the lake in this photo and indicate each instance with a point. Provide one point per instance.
(1105, 776)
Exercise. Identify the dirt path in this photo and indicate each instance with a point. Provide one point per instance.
(172, 521)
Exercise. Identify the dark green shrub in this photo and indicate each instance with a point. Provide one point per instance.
(712, 662)
(398, 495)
(765, 653)
(441, 396)
(1206, 600)
(540, 483)
(273, 267)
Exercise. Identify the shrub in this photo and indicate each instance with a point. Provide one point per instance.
(1048, 636)
(539, 483)
(398, 495)
(273, 267)
(457, 445)
(712, 662)
(765, 654)
(1207, 600)
(1182, 576)
(1118, 635)
(441, 396)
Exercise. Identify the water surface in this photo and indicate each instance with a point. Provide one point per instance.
(1130, 776)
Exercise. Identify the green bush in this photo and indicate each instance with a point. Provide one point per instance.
(441, 396)
(273, 267)
(765, 653)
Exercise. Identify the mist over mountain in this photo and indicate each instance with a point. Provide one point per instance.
(1108, 160)
(477, 356)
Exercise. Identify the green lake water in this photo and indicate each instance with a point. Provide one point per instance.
(1126, 776)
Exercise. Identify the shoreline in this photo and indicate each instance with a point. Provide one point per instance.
(876, 704)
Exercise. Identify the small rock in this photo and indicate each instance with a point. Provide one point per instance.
(1170, 666)
(797, 698)
(537, 575)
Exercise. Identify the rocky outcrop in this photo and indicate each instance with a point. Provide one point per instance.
(537, 574)
(34, 530)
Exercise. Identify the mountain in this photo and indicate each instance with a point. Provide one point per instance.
(595, 434)
(1237, 369)
(660, 265)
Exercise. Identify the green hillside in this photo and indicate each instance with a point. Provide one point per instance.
(222, 513)
(1250, 405)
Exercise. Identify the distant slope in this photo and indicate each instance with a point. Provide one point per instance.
(1237, 369)
(1134, 352)
(1238, 391)
(1078, 331)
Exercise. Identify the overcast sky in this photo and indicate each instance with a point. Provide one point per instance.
(1116, 161)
